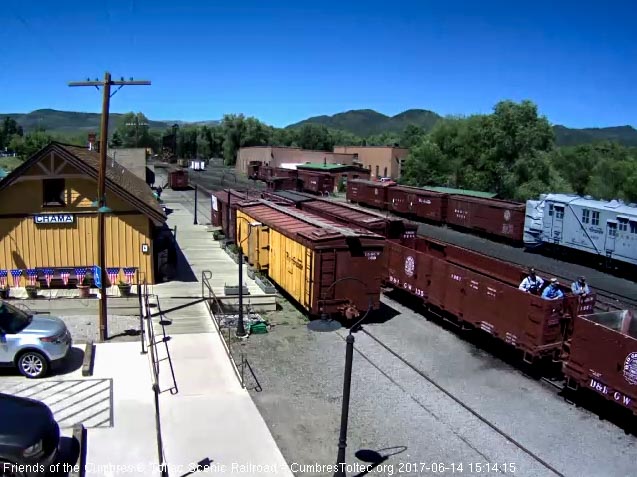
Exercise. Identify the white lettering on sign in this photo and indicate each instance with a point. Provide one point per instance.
(419, 292)
(424, 201)
(455, 277)
(54, 219)
(630, 368)
(488, 327)
(603, 389)
(410, 266)
(461, 214)
(372, 255)
(511, 338)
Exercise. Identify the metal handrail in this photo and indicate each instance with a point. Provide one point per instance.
(243, 363)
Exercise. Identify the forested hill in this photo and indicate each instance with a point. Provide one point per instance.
(367, 122)
(69, 122)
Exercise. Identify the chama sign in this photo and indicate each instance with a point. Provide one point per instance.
(54, 219)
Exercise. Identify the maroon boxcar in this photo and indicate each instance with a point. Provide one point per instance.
(389, 227)
(461, 285)
(288, 197)
(178, 179)
(602, 356)
(221, 214)
(316, 182)
(276, 183)
(419, 203)
(495, 217)
(370, 193)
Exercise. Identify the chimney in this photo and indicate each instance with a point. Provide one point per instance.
(91, 141)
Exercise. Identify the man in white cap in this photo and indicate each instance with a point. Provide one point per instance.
(580, 287)
(553, 292)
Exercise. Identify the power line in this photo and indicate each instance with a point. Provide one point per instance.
(106, 84)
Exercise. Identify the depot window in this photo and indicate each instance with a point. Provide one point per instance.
(53, 192)
(612, 229)
(550, 210)
(633, 227)
(623, 224)
(586, 216)
(559, 212)
(595, 219)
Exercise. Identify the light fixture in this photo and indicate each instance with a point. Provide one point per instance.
(104, 210)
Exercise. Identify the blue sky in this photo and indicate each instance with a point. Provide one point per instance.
(283, 61)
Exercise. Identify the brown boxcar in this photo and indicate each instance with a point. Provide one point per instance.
(178, 179)
(461, 285)
(419, 203)
(276, 183)
(316, 182)
(603, 356)
(288, 197)
(495, 217)
(312, 258)
(389, 227)
(370, 193)
(221, 214)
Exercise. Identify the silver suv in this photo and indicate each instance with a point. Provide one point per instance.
(33, 343)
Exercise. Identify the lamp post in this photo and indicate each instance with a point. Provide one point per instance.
(241, 332)
(195, 222)
(327, 325)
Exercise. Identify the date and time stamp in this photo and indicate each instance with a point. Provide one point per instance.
(444, 468)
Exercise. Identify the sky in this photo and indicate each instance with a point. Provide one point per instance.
(284, 61)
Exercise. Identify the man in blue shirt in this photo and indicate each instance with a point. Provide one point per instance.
(552, 292)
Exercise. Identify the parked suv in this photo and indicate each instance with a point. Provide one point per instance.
(29, 437)
(33, 343)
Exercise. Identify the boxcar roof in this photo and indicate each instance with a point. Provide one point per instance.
(292, 222)
(292, 196)
(372, 183)
(418, 190)
(346, 212)
(119, 180)
(451, 190)
(495, 202)
(590, 203)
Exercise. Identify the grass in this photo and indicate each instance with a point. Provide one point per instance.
(9, 163)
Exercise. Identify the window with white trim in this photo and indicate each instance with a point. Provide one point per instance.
(586, 216)
(595, 219)
(633, 227)
(623, 225)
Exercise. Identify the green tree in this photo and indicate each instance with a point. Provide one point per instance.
(426, 165)
(8, 130)
(411, 136)
(133, 131)
(314, 136)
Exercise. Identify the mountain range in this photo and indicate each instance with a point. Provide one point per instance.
(365, 122)
(362, 122)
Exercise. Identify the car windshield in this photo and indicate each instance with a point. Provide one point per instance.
(12, 319)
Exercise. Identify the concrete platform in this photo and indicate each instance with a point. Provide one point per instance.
(212, 418)
(203, 253)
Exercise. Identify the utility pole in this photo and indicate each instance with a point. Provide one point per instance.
(136, 124)
(101, 182)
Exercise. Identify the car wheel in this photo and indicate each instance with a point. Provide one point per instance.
(9, 469)
(33, 365)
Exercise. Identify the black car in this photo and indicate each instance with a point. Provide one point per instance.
(29, 437)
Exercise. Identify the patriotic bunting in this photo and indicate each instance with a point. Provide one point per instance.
(16, 274)
(3, 278)
(32, 276)
(80, 273)
(65, 274)
(113, 273)
(129, 273)
(48, 275)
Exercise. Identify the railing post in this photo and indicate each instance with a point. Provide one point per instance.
(141, 315)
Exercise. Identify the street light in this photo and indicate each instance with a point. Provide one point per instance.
(347, 377)
(241, 332)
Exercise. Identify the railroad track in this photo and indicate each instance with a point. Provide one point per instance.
(426, 377)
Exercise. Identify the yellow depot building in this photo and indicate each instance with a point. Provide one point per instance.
(48, 217)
